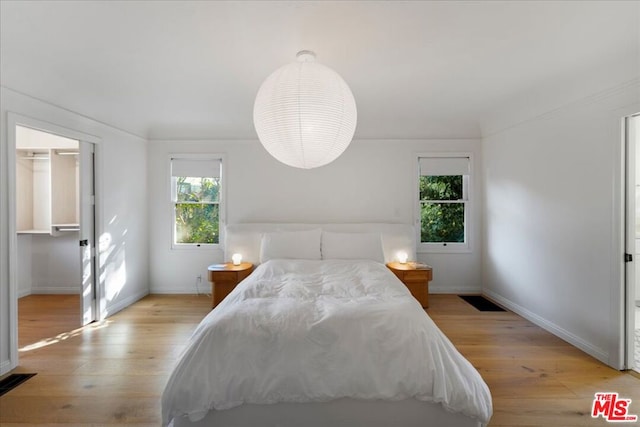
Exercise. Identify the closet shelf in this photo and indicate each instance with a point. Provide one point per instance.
(47, 191)
(33, 232)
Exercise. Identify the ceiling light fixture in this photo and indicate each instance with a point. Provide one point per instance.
(304, 113)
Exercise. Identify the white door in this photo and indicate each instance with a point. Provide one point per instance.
(89, 311)
(632, 238)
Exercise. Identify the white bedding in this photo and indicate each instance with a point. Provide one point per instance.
(315, 331)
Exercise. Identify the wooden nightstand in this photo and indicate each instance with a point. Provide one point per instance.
(225, 277)
(416, 278)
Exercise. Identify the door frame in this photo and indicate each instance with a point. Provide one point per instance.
(14, 120)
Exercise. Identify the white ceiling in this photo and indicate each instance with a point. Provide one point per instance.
(191, 69)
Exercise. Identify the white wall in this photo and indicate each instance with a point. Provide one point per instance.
(25, 280)
(122, 216)
(553, 220)
(48, 264)
(41, 209)
(373, 181)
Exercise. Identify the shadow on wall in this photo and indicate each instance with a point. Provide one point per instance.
(113, 267)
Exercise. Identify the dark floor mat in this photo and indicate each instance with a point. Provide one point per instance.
(481, 303)
(13, 381)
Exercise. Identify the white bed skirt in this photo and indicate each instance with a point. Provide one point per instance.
(336, 413)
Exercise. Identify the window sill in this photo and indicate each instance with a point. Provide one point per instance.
(195, 246)
(443, 249)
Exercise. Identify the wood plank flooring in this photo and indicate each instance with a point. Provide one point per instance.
(113, 373)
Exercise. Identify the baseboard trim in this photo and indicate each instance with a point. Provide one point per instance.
(551, 327)
(181, 291)
(5, 367)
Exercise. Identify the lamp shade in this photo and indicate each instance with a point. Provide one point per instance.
(304, 113)
(236, 259)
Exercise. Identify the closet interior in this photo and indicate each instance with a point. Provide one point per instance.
(47, 213)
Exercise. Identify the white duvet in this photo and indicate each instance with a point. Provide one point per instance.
(314, 331)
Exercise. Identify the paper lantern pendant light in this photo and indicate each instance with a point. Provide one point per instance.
(304, 113)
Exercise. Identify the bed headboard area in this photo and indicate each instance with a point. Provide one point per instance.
(246, 239)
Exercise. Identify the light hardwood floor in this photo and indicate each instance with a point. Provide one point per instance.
(113, 373)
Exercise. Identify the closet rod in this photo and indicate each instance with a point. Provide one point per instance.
(70, 228)
(35, 157)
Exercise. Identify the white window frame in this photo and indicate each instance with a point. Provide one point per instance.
(468, 186)
(221, 202)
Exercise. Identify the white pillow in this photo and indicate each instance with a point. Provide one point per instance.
(352, 246)
(291, 245)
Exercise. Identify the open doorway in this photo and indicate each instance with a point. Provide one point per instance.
(632, 273)
(48, 229)
(52, 226)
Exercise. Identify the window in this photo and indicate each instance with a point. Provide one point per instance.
(443, 191)
(196, 194)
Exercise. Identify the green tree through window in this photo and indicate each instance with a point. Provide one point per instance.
(197, 210)
(442, 209)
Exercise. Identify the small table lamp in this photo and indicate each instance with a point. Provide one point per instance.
(236, 258)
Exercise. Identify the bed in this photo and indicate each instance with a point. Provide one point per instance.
(322, 334)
